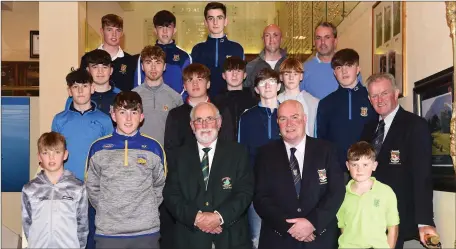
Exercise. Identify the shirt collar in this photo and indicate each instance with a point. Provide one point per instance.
(349, 190)
(92, 108)
(389, 119)
(193, 105)
(318, 59)
(300, 147)
(120, 52)
(212, 145)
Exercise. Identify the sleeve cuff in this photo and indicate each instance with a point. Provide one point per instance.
(221, 218)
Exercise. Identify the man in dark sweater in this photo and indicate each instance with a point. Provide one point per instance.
(124, 64)
(236, 99)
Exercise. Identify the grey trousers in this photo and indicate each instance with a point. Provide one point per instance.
(146, 241)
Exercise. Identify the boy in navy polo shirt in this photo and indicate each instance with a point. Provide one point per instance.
(342, 114)
(213, 52)
(176, 58)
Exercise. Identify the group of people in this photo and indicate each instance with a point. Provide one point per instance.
(169, 150)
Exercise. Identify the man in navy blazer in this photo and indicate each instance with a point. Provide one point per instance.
(299, 186)
(403, 146)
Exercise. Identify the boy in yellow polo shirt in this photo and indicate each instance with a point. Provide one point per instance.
(369, 207)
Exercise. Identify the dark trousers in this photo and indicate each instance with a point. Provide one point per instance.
(143, 241)
(399, 243)
(167, 223)
(90, 238)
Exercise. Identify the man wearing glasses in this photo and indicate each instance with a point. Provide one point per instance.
(209, 187)
(258, 125)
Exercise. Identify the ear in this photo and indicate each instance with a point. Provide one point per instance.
(374, 167)
(113, 115)
(208, 84)
(142, 67)
(226, 22)
(65, 156)
(185, 88)
(69, 92)
(245, 75)
(335, 42)
(257, 91)
(219, 122)
(87, 68)
(92, 88)
(281, 77)
(155, 32)
(301, 76)
(224, 76)
(192, 126)
(175, 30)
(112, 70)
(205, 22)
(348, 165)
(279, 86)
(164, 66)
(358, 70)
(39, 157)
(101, 31)
(396, 93)
(141, 118)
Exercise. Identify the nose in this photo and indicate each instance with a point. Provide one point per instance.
(344, 69)
(165, 31)
(291, 76)
(204, 124)
(99, 70)
(51, 155)
(128, 116)
(214, 21)
(80, 89)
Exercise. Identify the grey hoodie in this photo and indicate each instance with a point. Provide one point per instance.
(259, 63)
(55, 215)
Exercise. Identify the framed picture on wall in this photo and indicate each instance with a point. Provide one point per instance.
(34, 44)
(433, 98)
(388, 41)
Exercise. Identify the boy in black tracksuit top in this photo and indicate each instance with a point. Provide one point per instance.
(123, 64)
(236, 99)
(213, 52)
(342, 114)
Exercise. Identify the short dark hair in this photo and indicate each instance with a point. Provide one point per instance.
(98, 56)
(164, 18)
(51, 141)
(345, 57)
(234, 63)
(213, 6)
(195, 68)
(153, 53)
(266, 73)
(128, 100)
(112, 20)
(359, 150)
(327, 25)
(80, 76)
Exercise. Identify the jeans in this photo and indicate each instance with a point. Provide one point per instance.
(255, 226)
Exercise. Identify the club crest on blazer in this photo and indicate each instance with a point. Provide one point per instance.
(322, 176)
(363, 112)
(226, 183)
(395, 157)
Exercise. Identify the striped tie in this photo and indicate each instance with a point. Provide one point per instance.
(295, 170)
(205, 165)
(378, 139)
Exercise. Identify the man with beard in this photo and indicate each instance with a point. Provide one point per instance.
(271, 56)
(209, 187)
(319, 77)
(158, 98)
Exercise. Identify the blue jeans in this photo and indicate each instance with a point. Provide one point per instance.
(255, 226)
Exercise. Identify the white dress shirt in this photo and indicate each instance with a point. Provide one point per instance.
(210, 157)
(299, 153)
(389, 120)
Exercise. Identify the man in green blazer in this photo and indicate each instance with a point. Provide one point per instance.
(209, 187)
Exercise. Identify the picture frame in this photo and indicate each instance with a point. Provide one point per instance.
(34, 44)
(432, 100)
(388, 41)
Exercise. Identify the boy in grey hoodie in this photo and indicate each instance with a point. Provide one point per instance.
(54, 204)
(125, 180)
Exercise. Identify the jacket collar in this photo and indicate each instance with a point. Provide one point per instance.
(92, 108)
(354, 89)
(282, 52)
(117, 135)
(221, 39)
(169, 45)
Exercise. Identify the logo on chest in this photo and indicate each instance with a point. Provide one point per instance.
(141, 160)
(226, 183)
(322, 176)
(176, 57)
(363, 112)
(395, 157)
(376, 203)
(123, 69)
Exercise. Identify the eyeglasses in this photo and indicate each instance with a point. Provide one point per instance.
(270, 82)
(208, 120)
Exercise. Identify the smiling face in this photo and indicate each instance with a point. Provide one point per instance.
(112, 35)
(383, 96)
(205, 123)
(100, 73)
(292, 121)
(325, 42)
(128, 120)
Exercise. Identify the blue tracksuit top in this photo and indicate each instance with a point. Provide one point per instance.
(257, 126)
(212, 53)
(341, 117)
(176, 60)
(80, 131)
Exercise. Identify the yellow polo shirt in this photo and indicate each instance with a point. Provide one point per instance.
(365, 218)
